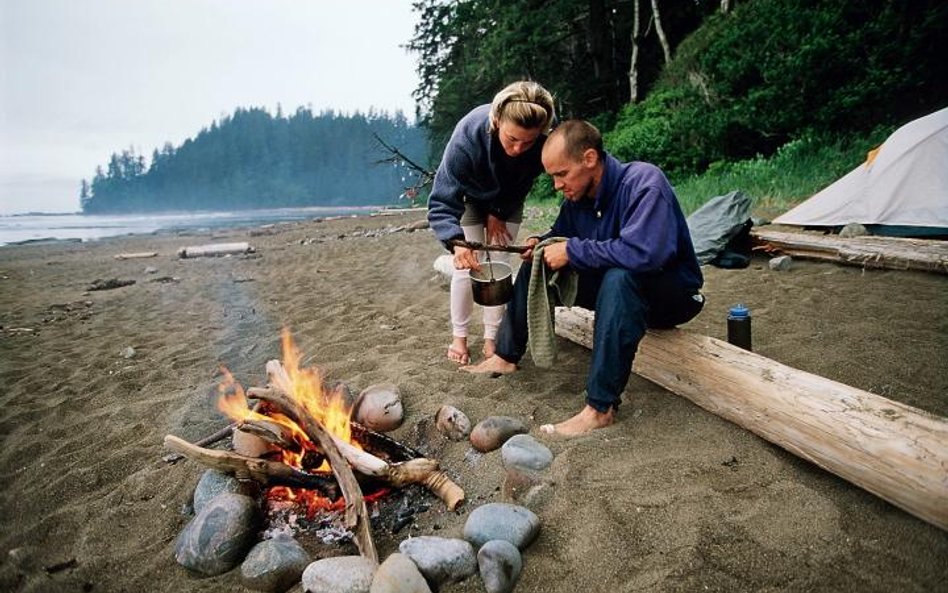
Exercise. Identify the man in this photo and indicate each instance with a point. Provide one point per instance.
(628, 241)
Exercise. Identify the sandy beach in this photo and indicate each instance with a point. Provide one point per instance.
(670, 498)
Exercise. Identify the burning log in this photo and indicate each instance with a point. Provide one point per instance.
(263, 471)
(414, 471)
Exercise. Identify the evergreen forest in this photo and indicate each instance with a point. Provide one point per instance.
(698, 87)
(253, 159)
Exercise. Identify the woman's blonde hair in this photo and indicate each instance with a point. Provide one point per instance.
(524, 103)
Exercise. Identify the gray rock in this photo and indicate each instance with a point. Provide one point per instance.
(128, 352)
(781, 263)
(218, 537)
(453, 423)
(498, 520)
(523, 452)
(342, 574)
(274, 565)
(853, 229)
(493, 431)
(500, 564)
(398, 574)
(441, 560)
(151, 270)
(213, 483)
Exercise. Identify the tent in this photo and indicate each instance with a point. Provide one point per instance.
(901, 189)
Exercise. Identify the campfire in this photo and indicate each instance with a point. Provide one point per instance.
(313, 451)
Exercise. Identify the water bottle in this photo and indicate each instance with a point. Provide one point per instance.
(739, 327)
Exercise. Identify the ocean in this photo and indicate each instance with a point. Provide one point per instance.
(31, 228)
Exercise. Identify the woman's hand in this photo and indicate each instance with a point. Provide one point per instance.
(496, 231)
(465, 259)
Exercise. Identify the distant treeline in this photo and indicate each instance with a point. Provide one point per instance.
(253, 159)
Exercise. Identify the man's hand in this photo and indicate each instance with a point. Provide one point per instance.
(555, 256)
(465, 259)
(528, 254)
(496, 231)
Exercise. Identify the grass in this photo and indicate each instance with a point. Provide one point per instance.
(795, 172)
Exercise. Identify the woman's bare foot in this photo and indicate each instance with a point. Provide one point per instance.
(492, 365)
(587, 420)
(490, 346)
(457, 351)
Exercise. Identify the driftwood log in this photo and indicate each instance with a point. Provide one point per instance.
(893, 450)
(137, 255)
(262, 471)
(215, 249)
(869, 252)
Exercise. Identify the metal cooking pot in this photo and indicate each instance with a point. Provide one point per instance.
(493, 284)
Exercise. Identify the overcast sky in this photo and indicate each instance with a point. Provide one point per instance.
(81, 79)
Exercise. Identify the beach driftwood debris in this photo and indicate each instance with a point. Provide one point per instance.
(893, 450)
(137, 255)
(215, 250)
(894, 253)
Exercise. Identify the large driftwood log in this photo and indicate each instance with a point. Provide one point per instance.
(215, 249)
(869, 252)
(893, 450)
(414, 471)
(263, 471)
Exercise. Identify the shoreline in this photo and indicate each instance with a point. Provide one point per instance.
(669, 498)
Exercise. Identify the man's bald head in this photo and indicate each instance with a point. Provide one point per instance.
(575, 137)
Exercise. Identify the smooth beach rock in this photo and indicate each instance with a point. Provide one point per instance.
(493, 431)
(853, 229)
(398, 574)
(780, 263)
(218, 537)
(441, 560)
(452, 423)
(274, 565)
(213, 483)
(341, 574)
(525, 453)
(499, 520)
(500, 564)
(251, 445)
(379, 408)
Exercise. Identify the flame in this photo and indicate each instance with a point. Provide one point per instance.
(304, 386)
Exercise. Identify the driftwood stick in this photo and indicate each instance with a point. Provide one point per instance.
(482, 247)
(208, 440)
(413, 471)
(272, 432)
(264, 471)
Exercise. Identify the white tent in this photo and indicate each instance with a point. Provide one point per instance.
(903, 183)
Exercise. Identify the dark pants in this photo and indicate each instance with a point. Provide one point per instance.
(625, 304)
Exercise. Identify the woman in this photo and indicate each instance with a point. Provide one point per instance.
(489, 165)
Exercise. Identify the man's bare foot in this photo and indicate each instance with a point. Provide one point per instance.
(457, 351)
(490, 346)
(493, 365)
(587, 420)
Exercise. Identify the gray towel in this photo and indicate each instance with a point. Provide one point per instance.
(547, 289)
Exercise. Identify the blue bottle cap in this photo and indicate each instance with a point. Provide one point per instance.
(739, 312)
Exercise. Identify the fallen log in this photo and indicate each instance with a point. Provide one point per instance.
(263, 471)
(869, 252)
(893, 450)
(214, 250)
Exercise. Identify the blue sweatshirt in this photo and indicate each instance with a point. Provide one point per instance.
(634, 222)
(475, 167)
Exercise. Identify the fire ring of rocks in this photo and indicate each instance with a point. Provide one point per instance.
(301, 463)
